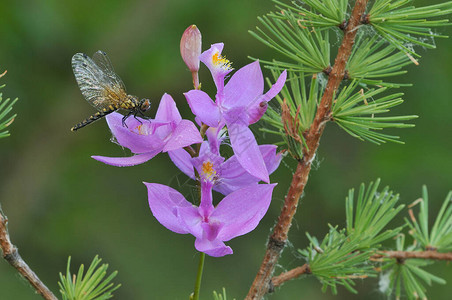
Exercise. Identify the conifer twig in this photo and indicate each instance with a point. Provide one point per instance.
(11, 255)
(401, 256)
(278, 239)
(291, 274)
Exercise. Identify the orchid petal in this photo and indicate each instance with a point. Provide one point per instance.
(212, 134)
(115, 119)
(136, 136)
(126, 161)
(207, 164)
(165, 203)
(256, 111)
(219, 67)
(185, 134)
(206, 56)
(203, 107)
(213, 248)
(198, 121)
(234, 177)
(206, 206)
(211, 230)
(182, 160)
(247, 151)
(191, 220)
(245, 86)
(241, 211)
(167, 110)
(271, 158)
(276, 88)
(204, 150)
(207, 155)
(258, 108)
(228, 186)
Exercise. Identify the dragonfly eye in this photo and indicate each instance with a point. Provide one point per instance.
(145, 104)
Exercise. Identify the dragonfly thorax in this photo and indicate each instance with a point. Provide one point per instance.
(133, 100)
(142, 105)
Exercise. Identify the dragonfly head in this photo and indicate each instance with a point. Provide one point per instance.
(145, 104)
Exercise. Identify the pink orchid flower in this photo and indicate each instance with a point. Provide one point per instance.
(237, 105)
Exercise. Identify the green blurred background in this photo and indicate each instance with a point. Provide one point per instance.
(60, 202)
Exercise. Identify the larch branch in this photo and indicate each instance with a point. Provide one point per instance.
(11, 255)
(291, 274)
(400, 256)
(262, 282)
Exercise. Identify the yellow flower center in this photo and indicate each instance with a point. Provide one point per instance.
(141, 130)
(208, 171)
(221, 61)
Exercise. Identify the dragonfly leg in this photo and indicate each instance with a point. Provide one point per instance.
(135, 115)
(125, 118)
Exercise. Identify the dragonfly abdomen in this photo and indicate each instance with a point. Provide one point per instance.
(95, 117)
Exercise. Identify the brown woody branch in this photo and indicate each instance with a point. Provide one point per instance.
(401, 256)
(277, 241)
(11, 255)
(291, 274)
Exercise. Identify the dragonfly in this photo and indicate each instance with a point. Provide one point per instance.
(103, 89)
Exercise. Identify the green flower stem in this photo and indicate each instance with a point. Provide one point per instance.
(195, 295)
(196, 83)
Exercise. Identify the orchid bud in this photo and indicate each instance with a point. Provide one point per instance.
(190, 47)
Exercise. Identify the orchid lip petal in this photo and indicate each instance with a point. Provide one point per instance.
(219, 66)
(206, 56)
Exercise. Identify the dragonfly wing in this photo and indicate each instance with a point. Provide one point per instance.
(103, 62)
(96, 86)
